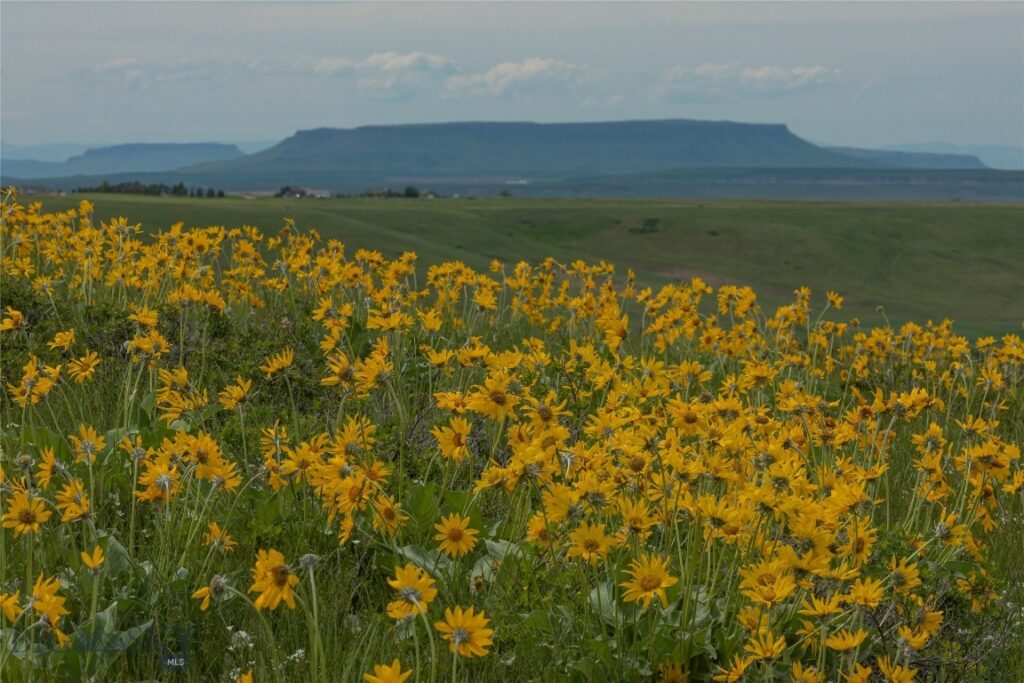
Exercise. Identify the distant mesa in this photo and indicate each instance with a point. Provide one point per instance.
(504, 152)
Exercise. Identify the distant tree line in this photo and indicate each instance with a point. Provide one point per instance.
(155, 189)
(180, 190)
(410, 192)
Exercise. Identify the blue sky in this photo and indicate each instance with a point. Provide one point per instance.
(844, 73)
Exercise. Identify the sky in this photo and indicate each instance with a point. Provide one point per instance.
(841, 73)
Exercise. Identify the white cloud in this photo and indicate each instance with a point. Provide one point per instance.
(381, 74)
(510, 77)
(422, 61)
(118, 64)
(326, 66)
(607, 102)
(394, 74)
(388, 74)
(733, 80)
(134, 74)
(380, 62)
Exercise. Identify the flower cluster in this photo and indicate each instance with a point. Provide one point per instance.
(666, 482)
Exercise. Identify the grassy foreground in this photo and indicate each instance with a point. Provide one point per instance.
(919, 262)
(245, 455)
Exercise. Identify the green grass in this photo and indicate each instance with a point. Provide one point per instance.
(919, 261)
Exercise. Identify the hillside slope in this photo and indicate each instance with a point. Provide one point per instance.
(797, 183)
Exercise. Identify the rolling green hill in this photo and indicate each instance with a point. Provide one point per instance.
(866, 184)
(918, 261)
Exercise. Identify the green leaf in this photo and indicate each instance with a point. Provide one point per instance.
(538, 619)
(181, 577)
(959, 568)
(114, 436)
(602, 600)
(43, 437)
(431, 560)
(152, 436)
(146, 409)
(423, 506)
(16, 643)
(483, 568)
(117, 561)
(462, 502)
(503, 550)
(102, 642)
(602, 649)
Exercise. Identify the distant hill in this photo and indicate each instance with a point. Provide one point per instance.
(509, 151)
(917, 159)
(130, 158)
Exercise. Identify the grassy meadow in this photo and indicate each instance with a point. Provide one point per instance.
(234, 452)
(919, 261)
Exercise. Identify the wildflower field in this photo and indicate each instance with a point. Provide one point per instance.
(242, 454)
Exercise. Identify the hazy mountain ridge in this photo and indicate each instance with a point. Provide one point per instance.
(675, 157)
(53, 152)
(919, 160)
(1003, 157)
(127, 158)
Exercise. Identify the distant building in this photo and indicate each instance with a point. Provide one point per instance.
(382, 193)
(292, 192)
